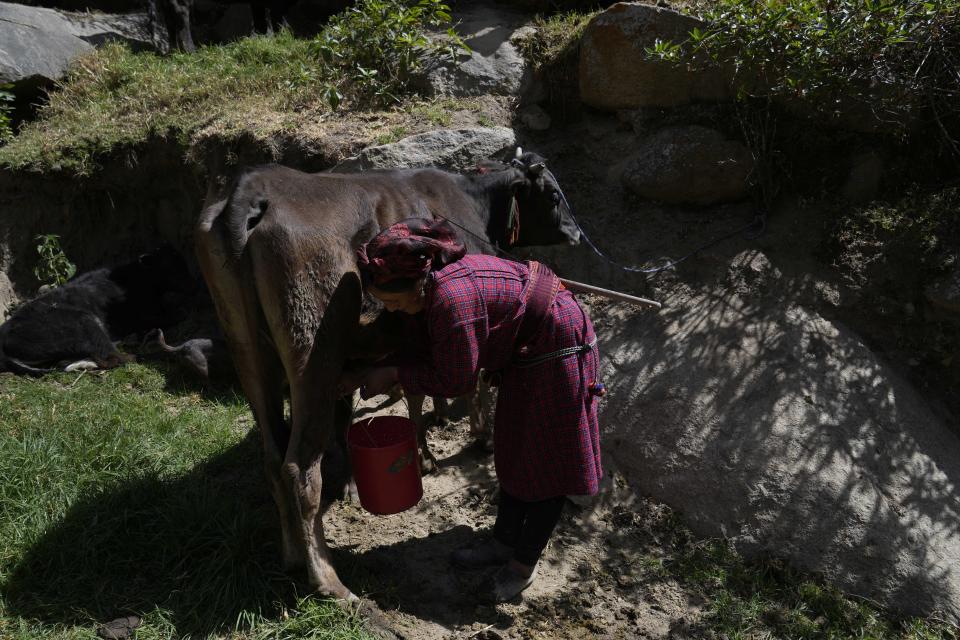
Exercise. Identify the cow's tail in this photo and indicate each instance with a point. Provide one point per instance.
(231, 214)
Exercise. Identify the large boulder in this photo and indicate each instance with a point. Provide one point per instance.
(689, 165)
(7, 295)
(454, 149)
(767, 424)
(494, 66)
(616, 73)
(38, 43)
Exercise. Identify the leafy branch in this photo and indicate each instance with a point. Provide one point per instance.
(898, 60)
(53, 268)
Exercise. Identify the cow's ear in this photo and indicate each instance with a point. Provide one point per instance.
(519, 181)
(536, 168)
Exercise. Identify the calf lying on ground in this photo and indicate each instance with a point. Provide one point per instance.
(81, 319)
(205, 358)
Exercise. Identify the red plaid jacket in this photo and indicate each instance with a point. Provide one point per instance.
(546, 435)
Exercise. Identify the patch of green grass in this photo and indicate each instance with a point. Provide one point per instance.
(436, 112)
(124, 493)
(554, 51)
(768, 599)
(116, 97)
(555, 35)
(6, 121)
(394, 134)
(748, 600)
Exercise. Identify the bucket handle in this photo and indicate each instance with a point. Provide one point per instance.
(366, 432)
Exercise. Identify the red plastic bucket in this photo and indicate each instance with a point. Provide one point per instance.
(386, 463)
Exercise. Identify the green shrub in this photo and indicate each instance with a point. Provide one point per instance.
(372, 50)
(895, 58)
(54, 268)
(871, 244)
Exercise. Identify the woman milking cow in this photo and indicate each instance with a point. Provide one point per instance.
(516, 320)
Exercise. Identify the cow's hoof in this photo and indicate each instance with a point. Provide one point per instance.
(427, 465)
(351, 494)
(81, 365)
(483, 442)
(434, 419)
(120, 629)
(375, 623)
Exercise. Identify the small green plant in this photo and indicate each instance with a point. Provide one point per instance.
(553, 50)
(6, 108)
(394, 134)
(54, 268)
(372, 50)
(920, 228)
(439, 112)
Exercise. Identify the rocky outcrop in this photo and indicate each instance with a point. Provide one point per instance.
(39, 44)
(944, 293)
(533, 117)
(616, 72)
(774, 427)
(689, 165)
(454, 149)
(7, 295)
(494, 65)
(863, 180)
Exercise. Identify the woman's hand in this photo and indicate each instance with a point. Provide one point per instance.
(378, 380)
(350, 381)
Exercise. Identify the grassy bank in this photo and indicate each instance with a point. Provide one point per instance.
(129, 493)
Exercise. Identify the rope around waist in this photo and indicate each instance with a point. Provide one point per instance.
(554, 355)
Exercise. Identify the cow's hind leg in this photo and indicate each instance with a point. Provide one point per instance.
(480, 428)
(258, 367)
(91, 342)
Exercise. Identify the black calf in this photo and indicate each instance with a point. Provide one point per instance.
(81, 319)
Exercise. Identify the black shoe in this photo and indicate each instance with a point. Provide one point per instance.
(506, 584)
(488, 552)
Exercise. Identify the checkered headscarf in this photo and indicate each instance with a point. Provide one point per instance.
(409, 249)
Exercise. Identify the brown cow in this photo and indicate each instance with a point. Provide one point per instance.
(277, 251)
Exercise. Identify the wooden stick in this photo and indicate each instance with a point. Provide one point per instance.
(607, 293)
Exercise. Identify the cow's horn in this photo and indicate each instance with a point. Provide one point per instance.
(536, 168)
(519, 153)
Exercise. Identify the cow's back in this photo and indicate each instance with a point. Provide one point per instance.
(324, 211)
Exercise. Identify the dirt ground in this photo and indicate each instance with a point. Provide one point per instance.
(594, 578)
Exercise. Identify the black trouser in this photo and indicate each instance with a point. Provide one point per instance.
(526, 526)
